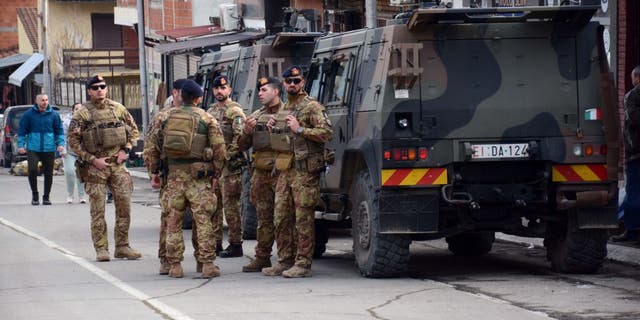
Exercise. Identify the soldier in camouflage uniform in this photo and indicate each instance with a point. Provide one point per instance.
(263, 177)
(231, 119)
(158, 119)
(102, 133)
(309, 129)
(195, 159)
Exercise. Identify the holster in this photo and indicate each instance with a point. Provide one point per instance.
(82, 170)
(201, 170)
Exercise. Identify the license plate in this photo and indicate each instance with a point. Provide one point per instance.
(500, 151)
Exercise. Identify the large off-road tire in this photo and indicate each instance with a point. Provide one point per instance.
(377, 255)
(471, 243)
(249, 215)
(573, 250)
(321, 233)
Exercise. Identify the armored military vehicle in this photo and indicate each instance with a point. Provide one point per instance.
(244, 66)
(464, 122)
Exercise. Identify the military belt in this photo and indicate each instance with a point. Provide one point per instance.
(172, 162)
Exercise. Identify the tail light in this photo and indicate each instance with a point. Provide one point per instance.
(603, 149)
(588, 150)
(7, 138)
(406, 154)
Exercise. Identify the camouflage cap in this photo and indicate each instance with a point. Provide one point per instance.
(191, 88)
(293, 71)
(178, 84)
(270, 80)
(95, 79)
(220, 81)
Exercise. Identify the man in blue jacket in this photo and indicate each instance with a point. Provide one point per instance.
(40, 134)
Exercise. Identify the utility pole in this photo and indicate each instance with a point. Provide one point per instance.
(143, 66)
(45, 63)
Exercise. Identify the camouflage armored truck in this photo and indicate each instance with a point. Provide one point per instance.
(244, 66)
(461, 123)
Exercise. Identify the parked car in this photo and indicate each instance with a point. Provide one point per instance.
(10, 124)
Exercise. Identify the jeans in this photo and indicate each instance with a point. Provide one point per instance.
(69, 162)
(631, 204)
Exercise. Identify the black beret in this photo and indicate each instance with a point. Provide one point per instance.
(96, 79)
(264, 80)
(178, 84)
(220, 81)
(293, 71)
(191, 88)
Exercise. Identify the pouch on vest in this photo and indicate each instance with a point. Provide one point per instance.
(284, 161)
(89, 140)
(179, 133)
(113, 135)
(201, 170)
(261, 138)
(280, 140)
(264, 160)
(315, 163)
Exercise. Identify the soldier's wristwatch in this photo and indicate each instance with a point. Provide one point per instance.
(300, 130)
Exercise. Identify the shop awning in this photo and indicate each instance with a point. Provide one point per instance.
(218, 39)
(25, 69)
(13, 60)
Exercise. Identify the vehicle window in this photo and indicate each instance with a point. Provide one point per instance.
(315, 76)
(15, 121)
(339, 81)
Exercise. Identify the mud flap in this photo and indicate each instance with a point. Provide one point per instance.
(597, 218)
(408, 213)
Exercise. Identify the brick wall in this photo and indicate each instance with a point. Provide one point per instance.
(177, 14)
(9, 21)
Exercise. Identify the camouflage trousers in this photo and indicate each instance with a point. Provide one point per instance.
(230, 190)
(162, 242)
(263, 188)
(121, 185)
(284, 218)
(183, 190)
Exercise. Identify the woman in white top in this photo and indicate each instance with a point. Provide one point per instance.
(69, 161)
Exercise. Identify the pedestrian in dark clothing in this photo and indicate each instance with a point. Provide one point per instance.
(631, 204)
(40, 135)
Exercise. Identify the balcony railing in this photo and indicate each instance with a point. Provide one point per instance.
(91, 61)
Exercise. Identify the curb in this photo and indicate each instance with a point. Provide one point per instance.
(618, 253)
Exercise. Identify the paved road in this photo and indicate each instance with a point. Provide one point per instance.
(48, 271)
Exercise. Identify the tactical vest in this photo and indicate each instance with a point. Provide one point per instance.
(185, 135)
(105, 132)
(302, 147)
(226, 124)
(261, 137)
(281, 137)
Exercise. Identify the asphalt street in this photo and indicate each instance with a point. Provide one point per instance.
(48, 271)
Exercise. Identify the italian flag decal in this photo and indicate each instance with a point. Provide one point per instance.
(593, 114)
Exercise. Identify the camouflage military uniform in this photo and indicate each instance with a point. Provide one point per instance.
(262, 193)
(182, 189)
(231, 118)
(115, 175)
(300, 185)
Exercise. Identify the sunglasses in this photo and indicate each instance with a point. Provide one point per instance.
(98, 86)
(293, 80)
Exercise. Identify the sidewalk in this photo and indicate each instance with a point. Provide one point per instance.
(628, 254)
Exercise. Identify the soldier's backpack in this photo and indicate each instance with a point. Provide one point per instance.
(179, 132)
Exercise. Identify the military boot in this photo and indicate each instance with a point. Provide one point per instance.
(232, 251)
(297, 272)
(198, 266)
(276, 270)
(127, 253)
(45, 200)
(257, 265)
(164, 267)
(218, 248)
(102, 255)
(176, 270)
(35, 199)
(209, 270)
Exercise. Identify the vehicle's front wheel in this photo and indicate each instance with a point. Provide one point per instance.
(574, 250)
(7, 159)
(377, 255)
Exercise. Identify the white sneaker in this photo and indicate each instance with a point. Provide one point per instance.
(69, 199)
(83, 200)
